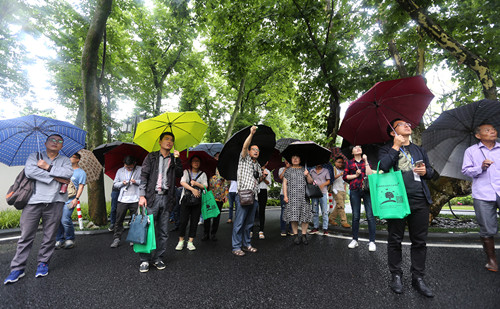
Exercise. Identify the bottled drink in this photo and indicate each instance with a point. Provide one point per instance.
(64, 188)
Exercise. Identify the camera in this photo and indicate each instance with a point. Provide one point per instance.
(256, 174)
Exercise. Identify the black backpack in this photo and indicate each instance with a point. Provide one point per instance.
(20, 192)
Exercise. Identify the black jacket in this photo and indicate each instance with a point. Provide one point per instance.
(389, 158)
(149, 177)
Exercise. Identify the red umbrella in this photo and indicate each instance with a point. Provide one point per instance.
(366, 119)
(208, 163)
(113, 159)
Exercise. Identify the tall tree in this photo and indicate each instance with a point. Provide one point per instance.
(93, 108)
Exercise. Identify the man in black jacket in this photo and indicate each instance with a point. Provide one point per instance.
(157, 193)
(413, 162)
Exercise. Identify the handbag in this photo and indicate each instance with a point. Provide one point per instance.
(209, 207)
(150, 244)
(20, 192)
(388, 195)
(313, 191)
(189, 199)
(366, 184)
(247, 197)
(137, 232)
(71, 189)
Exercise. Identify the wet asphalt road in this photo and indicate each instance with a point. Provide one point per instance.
(324, 274)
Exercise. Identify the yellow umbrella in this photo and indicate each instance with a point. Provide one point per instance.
(187, 127)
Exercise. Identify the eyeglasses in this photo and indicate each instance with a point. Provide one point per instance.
(255, 149)
(56, 141)
(402, 124)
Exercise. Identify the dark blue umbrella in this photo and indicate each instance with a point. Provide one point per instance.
(19, 137)
(210, 148)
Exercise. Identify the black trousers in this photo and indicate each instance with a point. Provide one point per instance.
(192, 214)
(121, 212)
(211, 225)
(418, 224)
(262, 196)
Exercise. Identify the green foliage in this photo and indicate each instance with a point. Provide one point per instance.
(273, 202)
(10, 218)
(463, 200)
(274, 192)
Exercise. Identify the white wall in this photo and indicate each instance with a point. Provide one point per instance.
(9, 173)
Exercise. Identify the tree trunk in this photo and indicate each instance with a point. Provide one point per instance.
(398, 61)
(444, 189)
(80, 115)
(462, 54)
(236, 110)
(93, 112)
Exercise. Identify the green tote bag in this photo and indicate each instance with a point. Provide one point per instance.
(388, 195)
(209, 208)
(150, 244)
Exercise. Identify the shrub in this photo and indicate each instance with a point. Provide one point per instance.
(464, 200)
(9, 218)
(273, 202)
(274, 192)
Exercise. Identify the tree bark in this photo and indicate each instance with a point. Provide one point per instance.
(462, 54)
(93, 111)
(236, 110)
(398, 61)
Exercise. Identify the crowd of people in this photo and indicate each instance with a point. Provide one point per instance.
(152, 185)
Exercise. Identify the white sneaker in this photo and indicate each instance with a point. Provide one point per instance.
(180, 245)
(190, 246)
(59, 244)
(372, 247)
(261, 235)
(353, 244)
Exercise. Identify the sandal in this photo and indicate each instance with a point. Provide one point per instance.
(238, 252)
(249, 249)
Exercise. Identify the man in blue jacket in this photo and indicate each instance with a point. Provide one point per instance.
(414, 165)
(49, 169)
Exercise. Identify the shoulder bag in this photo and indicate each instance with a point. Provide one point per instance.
(189, 199)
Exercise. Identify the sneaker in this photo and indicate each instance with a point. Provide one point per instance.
(283, 234)
(180, 245)
(68, 244)
(314, 231)
(325, 232)
(372, 247)
(42, 270)
(190, 246)
(353, 244)
(111, 227)
(14, 276)
(115, 243)
(144, 267)
(59, 244)
(251, 234)
(261, 235)
(159, 265)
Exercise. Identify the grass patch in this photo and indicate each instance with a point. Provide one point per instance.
(10, 218)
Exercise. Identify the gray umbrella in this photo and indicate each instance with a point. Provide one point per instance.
(453, 132)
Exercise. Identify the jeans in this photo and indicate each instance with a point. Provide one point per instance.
(243, 223)
(316, 202)
(114, 203)
(356, 196)
(231, 198)
(66, 229)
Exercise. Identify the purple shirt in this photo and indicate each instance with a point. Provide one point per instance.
(485, 184)
(320, 178)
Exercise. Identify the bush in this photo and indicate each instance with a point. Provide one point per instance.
(274, 192)
(273, 202)
(9, 218)
(462, 200)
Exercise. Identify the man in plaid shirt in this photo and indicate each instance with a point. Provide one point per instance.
(248, 172)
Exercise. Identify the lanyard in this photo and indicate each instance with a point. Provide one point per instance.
(401, 148)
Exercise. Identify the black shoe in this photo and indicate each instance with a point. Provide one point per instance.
(396, 284)
(213, 237)
(205, 237)
(421, 287)
(304, 240)
(296, 240)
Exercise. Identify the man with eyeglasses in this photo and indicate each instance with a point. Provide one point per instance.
(49, 169)
(481, 164)
(412, 161)
(249, 172)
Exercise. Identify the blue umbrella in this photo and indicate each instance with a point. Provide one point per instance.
(19, 137)
(210, 148)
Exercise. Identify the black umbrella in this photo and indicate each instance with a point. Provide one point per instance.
(229, 157)
(453, 132)
(310, 153)
(282, 143)
(100, 150)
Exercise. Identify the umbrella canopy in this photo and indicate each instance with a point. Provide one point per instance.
(230, 154)
(310, 153)
(210, 148)
(100, 150)
(113, 159)
(208, 163)
(453, 132)
(90, 164)
(19, 137)
(275, 161)
(282, 143)
(337, 152)
(366, 119)
(187, 127)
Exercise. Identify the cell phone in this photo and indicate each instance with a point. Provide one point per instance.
(419, 163)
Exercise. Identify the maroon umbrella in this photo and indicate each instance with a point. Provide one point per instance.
(113, 159)
(366, 119)
(208, 163)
